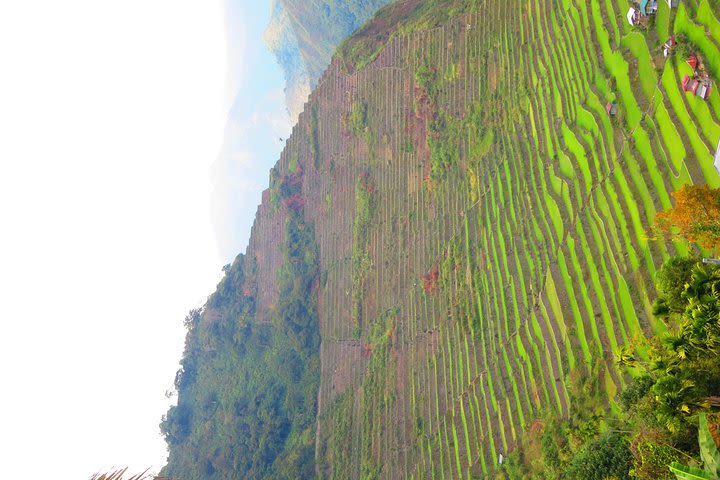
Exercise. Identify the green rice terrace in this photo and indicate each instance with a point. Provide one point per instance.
(481, 230)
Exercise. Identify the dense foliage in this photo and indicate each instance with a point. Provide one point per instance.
(608, 456)
(677, 381)
(358, 120)
(247, 389)
(694, 217)
(686, 362)
(578, 446)
(670, 282)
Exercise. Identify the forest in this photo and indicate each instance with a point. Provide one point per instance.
(247, 390)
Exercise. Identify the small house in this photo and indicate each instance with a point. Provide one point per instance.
(693, 61)
(717, 158)
(703, 90)
(690, 84)
(633, 16)
(673, 3)
(669, 45)
(698, 87)
(611, 109)
(648, 7)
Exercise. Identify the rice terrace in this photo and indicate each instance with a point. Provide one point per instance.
(469, 197)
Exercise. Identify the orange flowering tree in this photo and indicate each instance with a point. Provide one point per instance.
(695, 216)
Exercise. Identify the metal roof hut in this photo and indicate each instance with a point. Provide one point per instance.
(669, 45)
(611, 108)
(703, 90)
(717, 158)
(631, 16)
(648, 6)
(673, 3)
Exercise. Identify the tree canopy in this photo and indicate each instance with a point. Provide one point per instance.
(695, 216)
(247, 388)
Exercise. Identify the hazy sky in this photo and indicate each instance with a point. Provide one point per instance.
(113, 137)
(257, 120)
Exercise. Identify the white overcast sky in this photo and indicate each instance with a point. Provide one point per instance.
(111, 114)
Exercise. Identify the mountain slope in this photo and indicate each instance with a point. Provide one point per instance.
(303, 35)
(478, 232)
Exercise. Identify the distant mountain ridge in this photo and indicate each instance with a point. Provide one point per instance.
(303, 36)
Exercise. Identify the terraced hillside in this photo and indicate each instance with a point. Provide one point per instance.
(534, 221)
(481, 221)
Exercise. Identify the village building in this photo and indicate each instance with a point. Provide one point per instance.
(698, 87)
(611, 109)
(669, 45)
(633, 16)
(717, 158)
(690, 84)
(638, 15)
(673, 3)
(703, 90)
(648, 7)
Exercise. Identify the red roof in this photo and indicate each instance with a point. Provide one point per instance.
(692, 61)
(685, 81)
(690, 84)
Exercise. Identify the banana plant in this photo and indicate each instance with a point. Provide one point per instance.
(709, 454)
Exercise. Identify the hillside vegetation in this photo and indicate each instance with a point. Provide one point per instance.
(247, 388)
(480, 265)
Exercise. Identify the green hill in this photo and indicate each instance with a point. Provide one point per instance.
(453, 248)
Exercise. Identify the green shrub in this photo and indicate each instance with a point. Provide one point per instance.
(637, 390)
(607, 457)
(358, 119)
(670, 282)
(651, 458)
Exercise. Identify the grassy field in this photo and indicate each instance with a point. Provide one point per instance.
(506, 250)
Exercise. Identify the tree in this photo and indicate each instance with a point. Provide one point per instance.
(695, 216)
(652, 453)
(607, 457)
(701, 325)
(670, 282)
(625, 357)
(684, 48)
(193, 318)
(684, 365)
(636, 390)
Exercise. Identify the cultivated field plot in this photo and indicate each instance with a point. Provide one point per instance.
(482, 222)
